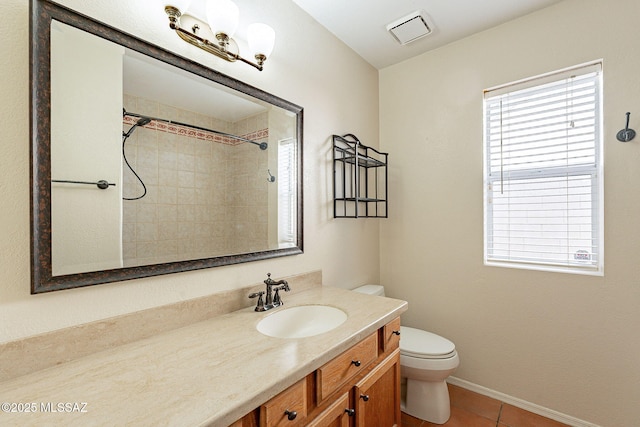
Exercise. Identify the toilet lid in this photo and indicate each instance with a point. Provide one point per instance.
(423, 344)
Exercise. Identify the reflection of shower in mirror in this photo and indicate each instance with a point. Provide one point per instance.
(142, 121)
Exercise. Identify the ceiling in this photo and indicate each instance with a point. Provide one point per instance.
(361, 24)
(151, 79)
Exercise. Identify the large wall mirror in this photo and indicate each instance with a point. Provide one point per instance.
(146, 163)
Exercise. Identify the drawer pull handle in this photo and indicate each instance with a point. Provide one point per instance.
(364, 397)
(396, 332)
(350, 412)
(291, 415)
(356, 362)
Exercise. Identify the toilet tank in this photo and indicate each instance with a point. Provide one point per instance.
(371, 290)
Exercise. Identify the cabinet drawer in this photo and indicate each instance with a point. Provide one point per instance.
(391, 335)
(294, 399)
(333, 374)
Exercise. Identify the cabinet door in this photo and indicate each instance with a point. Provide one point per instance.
(377, 396)
(336, 415)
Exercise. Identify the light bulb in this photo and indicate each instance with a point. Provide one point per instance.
(222, 16)
(261, 39)
(181, 5)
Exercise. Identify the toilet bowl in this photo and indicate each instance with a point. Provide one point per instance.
(426, 360)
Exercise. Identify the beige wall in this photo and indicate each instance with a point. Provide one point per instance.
(566, 342)
(339, 93)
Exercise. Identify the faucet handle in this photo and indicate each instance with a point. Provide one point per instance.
(260, 304)
(276, 297)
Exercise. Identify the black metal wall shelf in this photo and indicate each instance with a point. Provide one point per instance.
(359, 179)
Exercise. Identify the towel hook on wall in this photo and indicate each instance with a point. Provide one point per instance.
(626, 134)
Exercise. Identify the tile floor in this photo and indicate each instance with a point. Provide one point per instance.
(470, 409)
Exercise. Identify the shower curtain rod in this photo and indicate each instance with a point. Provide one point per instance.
(262, 145)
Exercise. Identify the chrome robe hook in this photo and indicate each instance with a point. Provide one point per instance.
(626, 134)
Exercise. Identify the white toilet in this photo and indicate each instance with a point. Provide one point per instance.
(426, 360)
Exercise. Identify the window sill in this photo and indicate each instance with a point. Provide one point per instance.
(587, 271)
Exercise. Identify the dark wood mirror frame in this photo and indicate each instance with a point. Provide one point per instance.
(42, 280)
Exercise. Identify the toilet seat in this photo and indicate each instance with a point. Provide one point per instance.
(424, 345)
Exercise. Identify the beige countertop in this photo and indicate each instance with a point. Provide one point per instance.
(208, 373)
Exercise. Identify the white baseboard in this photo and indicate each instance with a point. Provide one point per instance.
(522, 404)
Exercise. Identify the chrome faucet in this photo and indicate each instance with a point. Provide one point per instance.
(272, 298)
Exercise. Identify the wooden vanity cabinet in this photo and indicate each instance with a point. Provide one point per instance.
(359, 388)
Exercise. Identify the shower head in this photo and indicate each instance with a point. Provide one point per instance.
(141, 122)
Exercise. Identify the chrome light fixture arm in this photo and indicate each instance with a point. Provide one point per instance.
(219, 49)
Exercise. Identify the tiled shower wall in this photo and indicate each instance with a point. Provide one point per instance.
(206, 194)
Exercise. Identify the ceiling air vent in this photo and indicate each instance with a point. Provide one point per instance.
(410, 28)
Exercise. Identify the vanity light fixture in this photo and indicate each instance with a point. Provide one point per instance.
(222, 17)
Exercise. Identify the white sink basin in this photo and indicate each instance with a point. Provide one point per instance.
(302, 321)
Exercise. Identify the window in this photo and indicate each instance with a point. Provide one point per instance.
(287, 191)
(543, 172)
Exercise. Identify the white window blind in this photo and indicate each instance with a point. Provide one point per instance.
(543, 174)
(287, 191)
